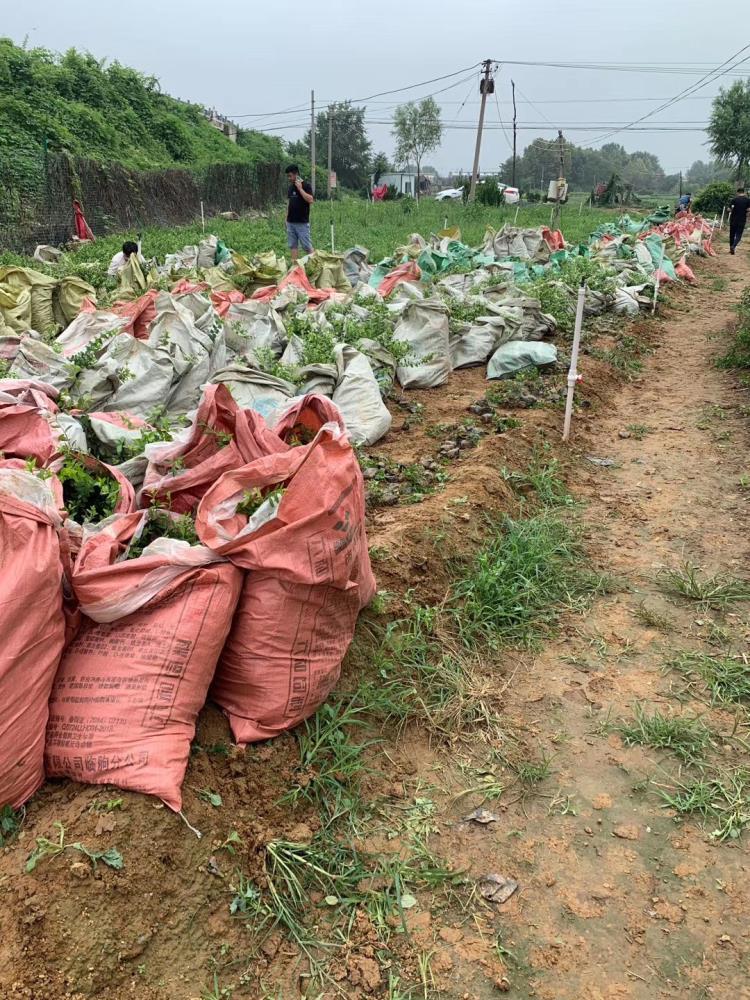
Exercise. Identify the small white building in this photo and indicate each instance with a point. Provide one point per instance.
(405, 182)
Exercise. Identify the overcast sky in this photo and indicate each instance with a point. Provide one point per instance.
(252, 58)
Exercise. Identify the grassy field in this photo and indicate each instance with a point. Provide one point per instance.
(379, 227)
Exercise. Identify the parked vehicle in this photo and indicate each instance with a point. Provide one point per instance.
(450, 194)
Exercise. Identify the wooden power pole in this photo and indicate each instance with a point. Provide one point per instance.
(330, 148)
(486, 86)
(561, 175)
(312, 139)
(513, 176)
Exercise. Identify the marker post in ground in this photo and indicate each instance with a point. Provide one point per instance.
(573, 370)
(658, 276)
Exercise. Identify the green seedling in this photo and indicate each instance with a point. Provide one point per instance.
(52, 848)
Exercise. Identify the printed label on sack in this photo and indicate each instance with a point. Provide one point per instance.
(135, 665)
(340, 541)
(317, 649)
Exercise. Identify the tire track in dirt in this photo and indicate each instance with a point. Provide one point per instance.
(618, 900)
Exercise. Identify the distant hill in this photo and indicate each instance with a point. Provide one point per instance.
(108, 113)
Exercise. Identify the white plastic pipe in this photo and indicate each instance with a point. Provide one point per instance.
(658, 275)
(573, 370)
(203, 219)
(333, 238)
(515, 217)
(721, 224)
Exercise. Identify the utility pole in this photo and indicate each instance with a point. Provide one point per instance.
(312, 139)
(561, 175)
(486, 86)
(513, 177)
(330, 147)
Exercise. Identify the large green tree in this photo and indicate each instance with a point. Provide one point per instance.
(350, 146)
(380, 165)
(700, 173)
(585, 168)
(729, 128)
(417, 130)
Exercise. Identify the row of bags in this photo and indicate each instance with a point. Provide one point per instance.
(107, 659)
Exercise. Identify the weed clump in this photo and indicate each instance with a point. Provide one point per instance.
(684, 736)
(709, 591)
(520, 582)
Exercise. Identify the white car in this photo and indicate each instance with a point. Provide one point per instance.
(450, 194)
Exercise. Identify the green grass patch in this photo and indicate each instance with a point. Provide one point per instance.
(738, 355)
(332, 760)
(520, 582)
(716, 591)
(543, 478)
(720, 797)
(653, 619)
(725, 678)
(639, 431)
(685, 736)
(624, 355)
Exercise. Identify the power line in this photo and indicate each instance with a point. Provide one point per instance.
(540, 113)
(678, 69)
(500, 118)
(362, 100)
(587, 100)
(686, 91)
(531, 127)
(261, 126)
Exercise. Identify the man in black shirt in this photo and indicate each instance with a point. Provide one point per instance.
(298, 212)
(737, 217)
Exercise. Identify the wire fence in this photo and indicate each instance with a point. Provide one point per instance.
(36, 196)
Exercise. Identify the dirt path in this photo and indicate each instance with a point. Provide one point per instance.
(618, 899)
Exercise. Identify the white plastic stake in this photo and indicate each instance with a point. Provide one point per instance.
(203, 219)
(721, 224)
(515, 217)
(658, 275)
(445, 222)
(573, 371)
(333, 238)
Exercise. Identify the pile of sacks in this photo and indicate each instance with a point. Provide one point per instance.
(31, 300)
(209, 315)
(236, 572)
(233, 560)
(159, 348)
